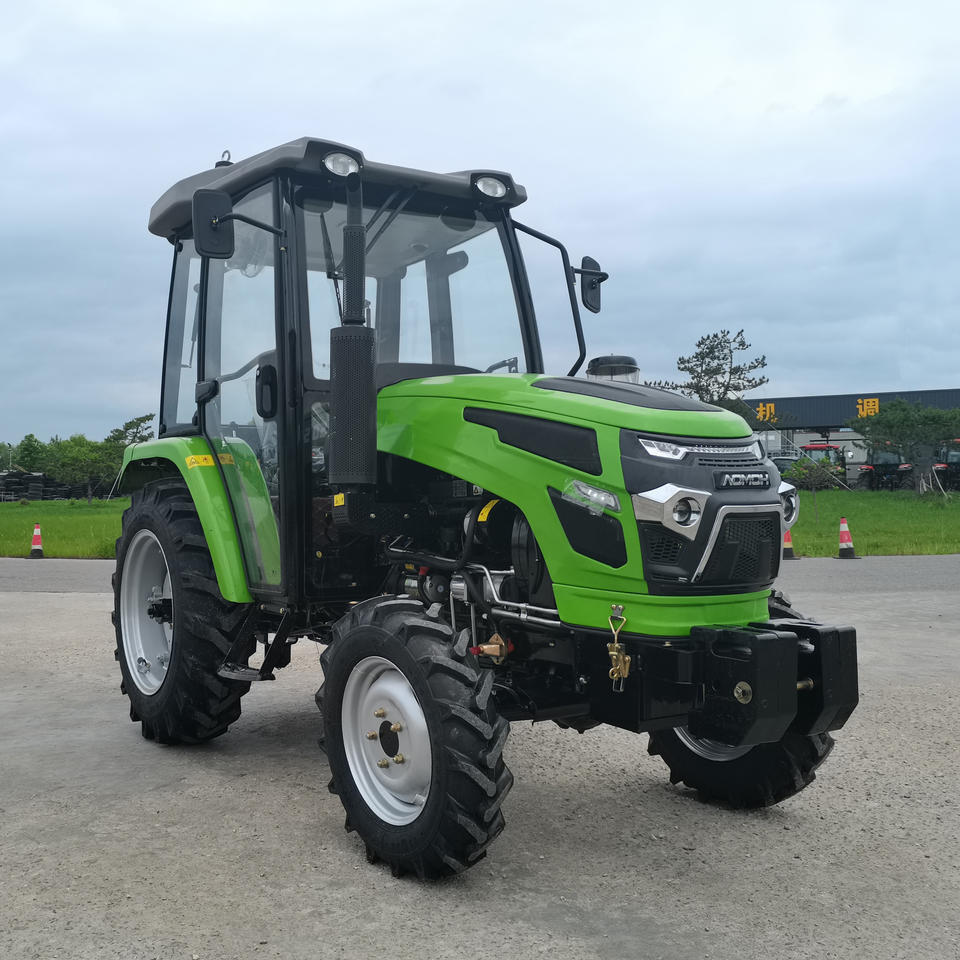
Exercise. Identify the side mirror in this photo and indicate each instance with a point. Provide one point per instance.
(213, 224)
(591, 276)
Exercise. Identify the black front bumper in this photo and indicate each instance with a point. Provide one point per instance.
(739, 685)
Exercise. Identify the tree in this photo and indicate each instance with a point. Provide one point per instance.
(79, 460)
(30, 454)
(118, 439)
(712, 374)
(133, 431)
(914, 431)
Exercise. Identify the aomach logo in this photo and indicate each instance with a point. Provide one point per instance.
(725, 480)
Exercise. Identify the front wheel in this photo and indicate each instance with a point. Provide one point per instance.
(745, 776)
(413, 738)
(755, 776)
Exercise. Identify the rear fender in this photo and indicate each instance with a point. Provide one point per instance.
(191, 459)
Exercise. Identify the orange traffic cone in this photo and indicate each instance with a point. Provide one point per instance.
(846, 542)
(36, 548)
(788, 547)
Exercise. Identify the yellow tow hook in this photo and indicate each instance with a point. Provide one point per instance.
(619, 660)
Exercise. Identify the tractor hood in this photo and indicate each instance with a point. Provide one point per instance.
(608, 402)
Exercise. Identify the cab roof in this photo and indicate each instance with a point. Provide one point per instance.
(172, 212)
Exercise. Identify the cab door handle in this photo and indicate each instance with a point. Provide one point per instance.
(266, 391)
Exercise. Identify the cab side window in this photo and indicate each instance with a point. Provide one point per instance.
(183, 334)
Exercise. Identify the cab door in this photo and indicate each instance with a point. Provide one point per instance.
(240, 368)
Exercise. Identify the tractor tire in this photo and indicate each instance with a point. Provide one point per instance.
(756, 776)
(413, 738)
(865, 483)
(750, 776)
(779, 607)
(173, 628)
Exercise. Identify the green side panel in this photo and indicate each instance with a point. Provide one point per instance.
(422, 420)
(192, 457)
(252, 504)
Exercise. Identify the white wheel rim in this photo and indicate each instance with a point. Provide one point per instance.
(144, 582)
(710, 749)
(377, 697)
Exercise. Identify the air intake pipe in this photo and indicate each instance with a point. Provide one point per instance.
(352, 444)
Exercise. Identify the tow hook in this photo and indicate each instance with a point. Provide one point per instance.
(619, 659)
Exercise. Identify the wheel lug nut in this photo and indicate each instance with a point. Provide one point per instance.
(398, 758)
(371, 735)
(396, 727)
(383, 763)
(379, 713)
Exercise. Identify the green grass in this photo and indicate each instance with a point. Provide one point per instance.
(70, 528)
(881, 523)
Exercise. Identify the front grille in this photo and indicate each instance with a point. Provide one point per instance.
(747, 550)
(663, 547)
(737, 463)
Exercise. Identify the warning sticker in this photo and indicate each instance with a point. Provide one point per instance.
(339, 499)
(226, 459)
(485, 512)
(199, 460)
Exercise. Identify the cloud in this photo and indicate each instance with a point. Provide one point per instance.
(782, 168)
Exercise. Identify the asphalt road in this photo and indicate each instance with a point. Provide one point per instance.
(113, 847)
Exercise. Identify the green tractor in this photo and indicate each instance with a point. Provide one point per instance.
(358, 445)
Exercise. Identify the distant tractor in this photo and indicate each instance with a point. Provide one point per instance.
(884, 470)
(947, 468)
(359, 445)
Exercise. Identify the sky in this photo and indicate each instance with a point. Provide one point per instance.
(786, 168)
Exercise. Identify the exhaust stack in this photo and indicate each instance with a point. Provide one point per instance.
(353, 395)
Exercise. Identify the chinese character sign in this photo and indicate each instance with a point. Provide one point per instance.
(767, 411)
(868, 406)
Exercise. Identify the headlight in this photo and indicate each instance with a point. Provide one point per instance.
(341, 164)
(492, 187)
(663, 449)
(594, 499)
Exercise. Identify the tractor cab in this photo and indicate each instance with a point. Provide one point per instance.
(287, 257)
(884, 469)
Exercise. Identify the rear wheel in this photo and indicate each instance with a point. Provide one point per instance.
(414, 740)
(744, 776)
(173, 627)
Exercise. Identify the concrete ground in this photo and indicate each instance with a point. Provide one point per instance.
(113, 847)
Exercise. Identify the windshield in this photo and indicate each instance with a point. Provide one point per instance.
(438, 287)
(884, 456)
(830, 454)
